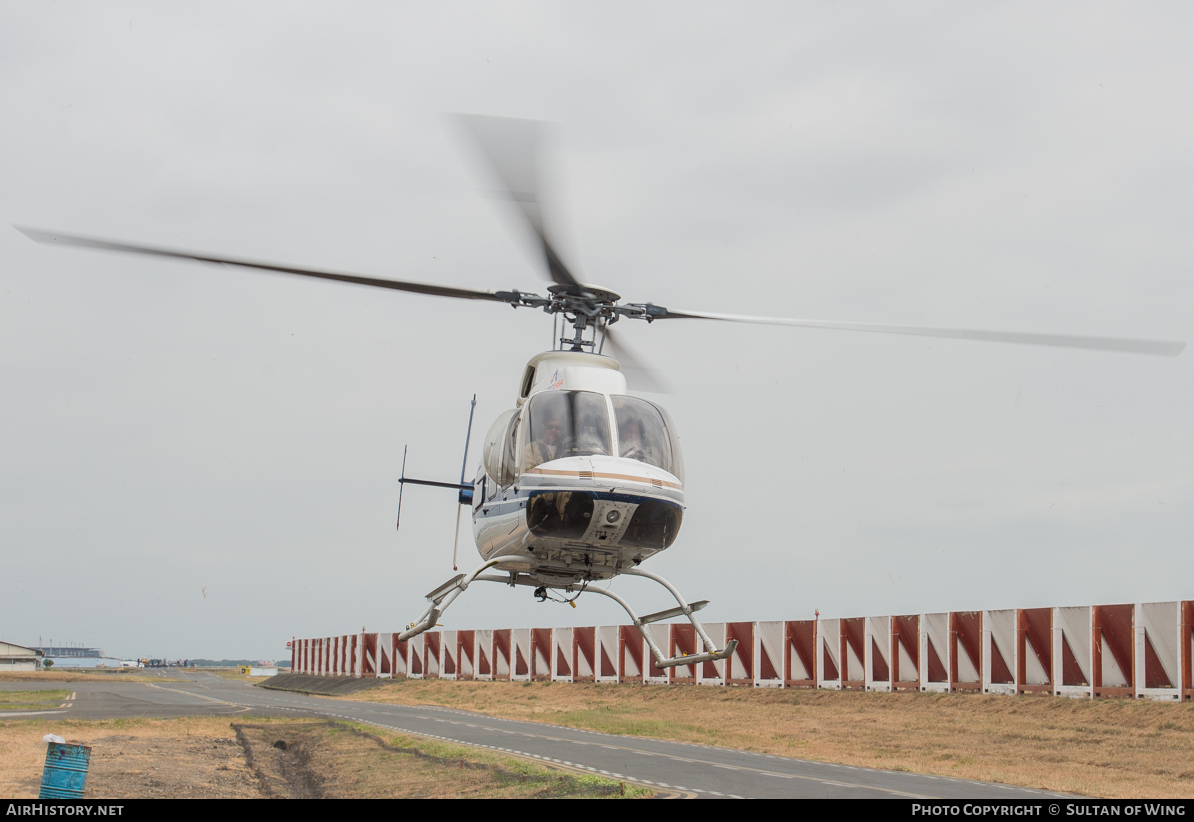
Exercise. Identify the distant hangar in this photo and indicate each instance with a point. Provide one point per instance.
(19, 658)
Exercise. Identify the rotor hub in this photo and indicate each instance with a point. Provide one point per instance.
(585, 292)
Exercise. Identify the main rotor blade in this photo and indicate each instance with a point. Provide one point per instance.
(1163, 348)
(511, 148)
(639, 377)
(59, 238)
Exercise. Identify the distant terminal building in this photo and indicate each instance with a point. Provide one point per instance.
(69, 651)
(19, 658)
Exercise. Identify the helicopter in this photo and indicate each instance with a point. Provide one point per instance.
(581, 481)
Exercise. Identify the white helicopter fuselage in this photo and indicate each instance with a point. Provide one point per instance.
(580, 480)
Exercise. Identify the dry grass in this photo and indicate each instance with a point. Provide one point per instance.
(209, 758)
(1108, 748)
(67, 675)
(31, 700)
(231, 673)
(339, 760)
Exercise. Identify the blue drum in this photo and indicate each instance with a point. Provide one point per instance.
(65, 775)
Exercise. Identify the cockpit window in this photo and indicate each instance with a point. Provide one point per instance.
(528, 381)
(645, 434)
(565, 424)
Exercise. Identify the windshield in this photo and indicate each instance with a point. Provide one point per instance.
(565, 424)
(644, 434)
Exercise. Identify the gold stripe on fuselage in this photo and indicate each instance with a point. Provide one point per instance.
(555, 472)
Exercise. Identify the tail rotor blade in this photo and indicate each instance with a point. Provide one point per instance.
(401, 485)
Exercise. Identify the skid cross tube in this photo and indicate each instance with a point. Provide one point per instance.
(661, 660)
(446, 594)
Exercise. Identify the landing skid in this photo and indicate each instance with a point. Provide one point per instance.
(446, 594)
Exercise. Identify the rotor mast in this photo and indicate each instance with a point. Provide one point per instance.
(587, 309)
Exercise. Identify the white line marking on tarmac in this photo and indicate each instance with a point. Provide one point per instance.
(29, 713)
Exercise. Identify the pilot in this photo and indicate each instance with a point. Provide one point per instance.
(547, 448)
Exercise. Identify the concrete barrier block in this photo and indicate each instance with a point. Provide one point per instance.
(769, 654)
(966, 651)
(934, 652)
(449, 663)
(1034, 650)
(853, 653)
(1073, 632)
(416, 652)
(483, 654)
(541, 645)
(1158, 650)
(520, 643)
(561, 654)
(607, 654)
(631, 650)
(660, 634)
(829, 654)
(877, 664)
(740, 666)
(466, 650)
(682, 640)
(713, 673)
(999, 652)
(800, 653)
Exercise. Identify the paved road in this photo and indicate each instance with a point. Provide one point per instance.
(697, 770)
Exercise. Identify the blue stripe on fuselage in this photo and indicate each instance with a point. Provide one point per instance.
(519, 499)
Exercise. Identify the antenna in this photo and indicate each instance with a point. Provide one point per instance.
(464, 492)
(468, 435)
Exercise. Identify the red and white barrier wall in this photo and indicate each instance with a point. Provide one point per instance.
(1143, 651)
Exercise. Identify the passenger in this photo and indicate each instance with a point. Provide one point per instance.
(634, 443)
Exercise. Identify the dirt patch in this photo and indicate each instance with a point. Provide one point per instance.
(208, 758)
(191, 758)
(336, 760)
(280, 758)
(1107, 747)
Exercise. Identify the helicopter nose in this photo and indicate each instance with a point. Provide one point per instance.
(571, 515)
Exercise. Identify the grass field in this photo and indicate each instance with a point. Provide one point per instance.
(211, 758)
(31, 700)
(89, 675)
(1107, 748)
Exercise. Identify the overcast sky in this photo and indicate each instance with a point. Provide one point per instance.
(202, 461)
